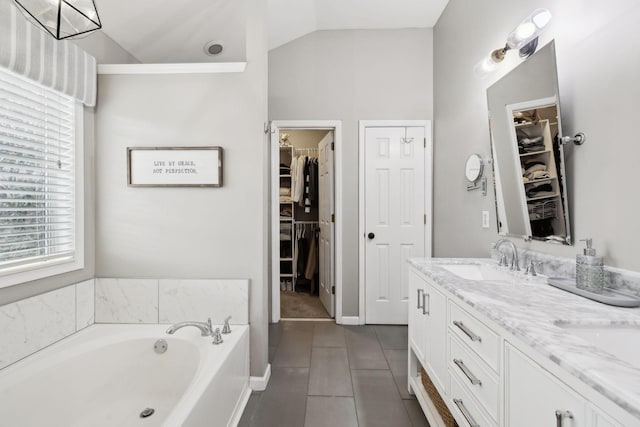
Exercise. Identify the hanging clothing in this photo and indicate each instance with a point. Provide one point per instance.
(313, 183)
(298, 179)
(312, 258)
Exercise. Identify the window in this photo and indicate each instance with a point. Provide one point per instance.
(41, 213)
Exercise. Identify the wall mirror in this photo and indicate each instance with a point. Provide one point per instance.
(528, 157)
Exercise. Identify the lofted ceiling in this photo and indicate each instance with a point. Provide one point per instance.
(176, 31)
(290, 19)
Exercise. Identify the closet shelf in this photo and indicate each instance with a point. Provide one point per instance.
(535, 153)
(285, 176)
(286, 259)
(286, 219)
(551, 196)
(538, 181)
(286, 275)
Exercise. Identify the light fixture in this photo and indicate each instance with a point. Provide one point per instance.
(62, 18)
(523, 38)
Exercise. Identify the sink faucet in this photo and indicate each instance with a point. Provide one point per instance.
(205, 328)
(515, 264)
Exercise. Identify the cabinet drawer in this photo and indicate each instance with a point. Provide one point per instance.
(475, 334)
(475, 374)
(464, 407)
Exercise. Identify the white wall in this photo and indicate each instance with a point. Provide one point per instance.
(598, 55)
(352, 75)
(188, 233)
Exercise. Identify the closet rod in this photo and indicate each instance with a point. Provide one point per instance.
(306, 222)
(306, 149)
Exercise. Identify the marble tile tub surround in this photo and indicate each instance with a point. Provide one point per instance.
(553, 266)
(29, 325)
(532, 311)
(171, 300)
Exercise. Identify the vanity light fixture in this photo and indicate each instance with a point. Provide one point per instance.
(523, 38)
(62, 19)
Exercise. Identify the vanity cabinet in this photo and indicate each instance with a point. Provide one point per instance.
(485, 375)
(534, 397)
(417, 316)
(428, 328)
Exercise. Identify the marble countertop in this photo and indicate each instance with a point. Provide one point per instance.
(534, 312)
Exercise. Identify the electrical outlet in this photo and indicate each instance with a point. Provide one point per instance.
(485, 219)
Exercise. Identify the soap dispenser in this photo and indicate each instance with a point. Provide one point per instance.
(589, 269)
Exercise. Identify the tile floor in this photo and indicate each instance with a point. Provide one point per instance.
(323, 374)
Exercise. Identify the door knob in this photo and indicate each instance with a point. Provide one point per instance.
(371, 236)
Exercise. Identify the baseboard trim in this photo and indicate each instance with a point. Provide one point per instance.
(260, 383)
(351, 320)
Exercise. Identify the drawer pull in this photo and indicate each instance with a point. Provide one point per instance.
(460, 364)
(426, 303)
(465, 413)
(467, 331)
(561, 415)
(420, 291)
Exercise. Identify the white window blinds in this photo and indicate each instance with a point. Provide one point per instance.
(37, 173)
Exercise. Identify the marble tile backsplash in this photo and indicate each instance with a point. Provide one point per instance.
(126, 300)
(28, 325)
(553, 266)
(171, 300)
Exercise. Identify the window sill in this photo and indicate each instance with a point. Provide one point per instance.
(39, 270)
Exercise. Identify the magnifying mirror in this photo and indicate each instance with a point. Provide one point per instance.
(473, 168)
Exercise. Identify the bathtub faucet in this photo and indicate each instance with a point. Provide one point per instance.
(205, 328)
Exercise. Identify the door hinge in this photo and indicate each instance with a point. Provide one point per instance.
(333, 217)
(333, 146)
(425, 142)
(333, 290)
(425, 219)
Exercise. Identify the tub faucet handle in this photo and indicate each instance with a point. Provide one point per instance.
(210, 326)
(217, 337)
(226, 329)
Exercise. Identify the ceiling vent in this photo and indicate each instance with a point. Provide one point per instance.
(213, 48)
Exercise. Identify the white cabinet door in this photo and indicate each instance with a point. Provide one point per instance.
(535, 398)
(435, 353)
(417, 315)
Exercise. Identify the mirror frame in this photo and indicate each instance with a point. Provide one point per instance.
(501, 105)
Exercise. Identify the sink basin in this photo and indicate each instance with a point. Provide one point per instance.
(476, 272)
(618, 340)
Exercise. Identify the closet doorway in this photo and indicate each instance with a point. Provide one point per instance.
(305, 220)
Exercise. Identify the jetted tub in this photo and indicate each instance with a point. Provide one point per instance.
(106, 375)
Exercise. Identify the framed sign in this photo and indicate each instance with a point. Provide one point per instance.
(174, 166)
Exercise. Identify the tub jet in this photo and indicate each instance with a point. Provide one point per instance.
(147, 412)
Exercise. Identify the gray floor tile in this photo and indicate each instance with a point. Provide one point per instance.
(325, 411)
(328, 334)
(294, 350)
(283, 403)
(415, 413)
(397, 360)
(250, 409)
(377, 400)
(392, 336)
(364, 349)
(329, 374)
(293, 354)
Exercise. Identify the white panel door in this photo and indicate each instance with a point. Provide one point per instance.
(327, 232)
(394, 191)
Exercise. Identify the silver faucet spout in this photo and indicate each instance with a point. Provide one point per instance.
(515, 263)
(205, 328)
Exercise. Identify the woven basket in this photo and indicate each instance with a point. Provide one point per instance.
(446, 416)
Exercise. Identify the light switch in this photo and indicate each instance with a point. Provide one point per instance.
(485, 219)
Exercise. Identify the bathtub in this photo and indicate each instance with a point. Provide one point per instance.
(106, 375)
